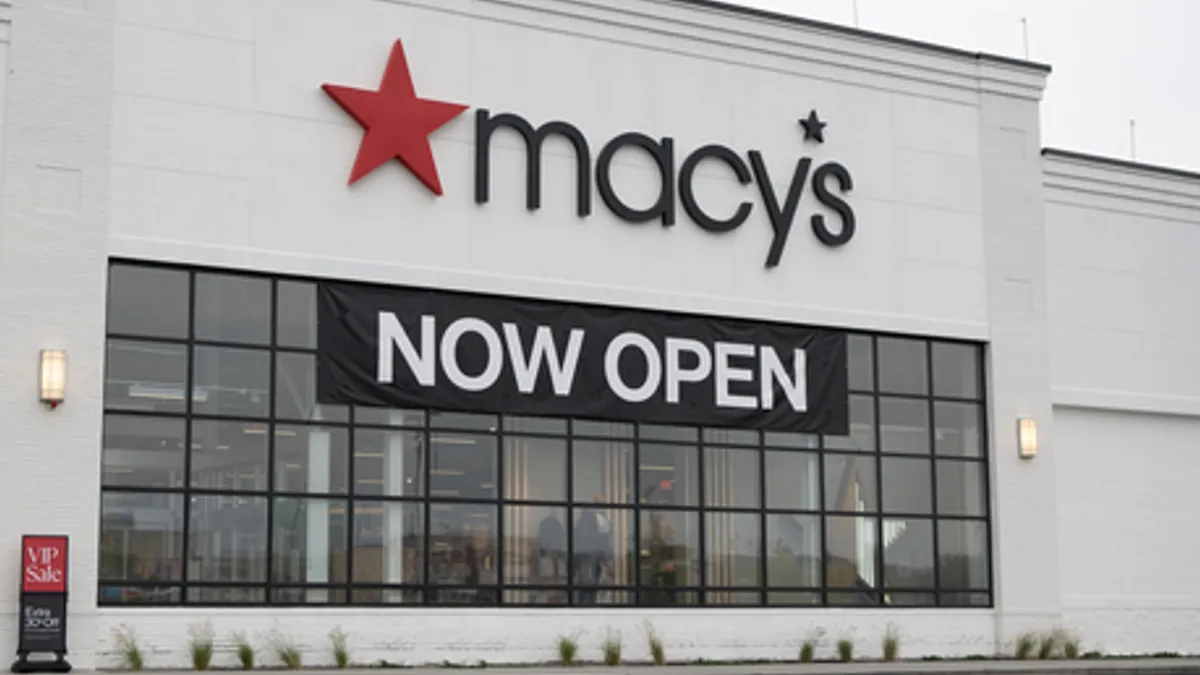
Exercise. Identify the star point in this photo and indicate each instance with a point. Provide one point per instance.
(814, 128)
(396, 122)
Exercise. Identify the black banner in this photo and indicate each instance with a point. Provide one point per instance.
(409, 348)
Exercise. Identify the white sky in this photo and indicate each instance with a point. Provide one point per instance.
(1113, 60)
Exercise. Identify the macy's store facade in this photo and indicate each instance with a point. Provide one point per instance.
(668, 312)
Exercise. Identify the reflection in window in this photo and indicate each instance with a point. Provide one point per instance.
(960, 489)
(850, 483)
(297, 314)
(462, 466)
(296, 391)
(141, 537)
(146, 376)
(389, 462)
(669, 474)
(603, 471)
(233, 308)
(535, 550)
(604, 552)
(862, 427)
(147, 301)
(311, 459)
(535, 469)
(904, 425)
(309, 543)
(229, 455)
(234, 382)
(145, 452)
(733, 542)
(907, 485)
(389, 544)
(227, 539)
(793, 480)
(958, 429)
(903, 367)
(462, 540)
(963, 554)
(731, 478)
(860, 363)
(793, 550)
(670, 554)
(955, 370)
(908, 553)
(851, 544)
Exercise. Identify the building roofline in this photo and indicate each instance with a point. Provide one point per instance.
(1120, 163)
(723, 6)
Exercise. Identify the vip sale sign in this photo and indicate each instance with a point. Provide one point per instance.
(42, 618)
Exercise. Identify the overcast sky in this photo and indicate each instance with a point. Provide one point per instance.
(1113, 60)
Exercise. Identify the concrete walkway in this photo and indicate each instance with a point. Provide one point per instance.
(1165, 666)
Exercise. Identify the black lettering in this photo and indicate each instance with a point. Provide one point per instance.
(846, 183)
(485, 125)
(663, 154)
(781, 219)
(687, 193)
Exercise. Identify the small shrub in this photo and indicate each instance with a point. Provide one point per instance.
(1025, 645)
(128, 650)
(891, 644)
(568, 649)
(200, 645)
(1070, 647)
(245, 650)
(286, 651)
(341, 655)
(845, 649)
(1046, 645)
(612, 650)
(1092, 655)
(658, 654)
(807, 650)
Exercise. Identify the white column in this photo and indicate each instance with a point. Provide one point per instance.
(393, 512)
(317, 515)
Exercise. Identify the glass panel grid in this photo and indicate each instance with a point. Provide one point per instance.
(211, 499)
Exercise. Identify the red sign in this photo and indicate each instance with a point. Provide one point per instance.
(44, 564)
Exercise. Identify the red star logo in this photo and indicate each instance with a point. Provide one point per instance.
(397, 123)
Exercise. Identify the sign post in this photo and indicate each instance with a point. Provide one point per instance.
(43, 611)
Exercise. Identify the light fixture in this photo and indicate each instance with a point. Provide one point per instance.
(1027, 440)
(52, 387)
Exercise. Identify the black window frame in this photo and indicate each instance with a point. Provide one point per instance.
(269, 590)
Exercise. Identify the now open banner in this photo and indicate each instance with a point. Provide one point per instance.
(419, 348)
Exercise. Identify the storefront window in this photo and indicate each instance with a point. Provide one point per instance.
(225, 482)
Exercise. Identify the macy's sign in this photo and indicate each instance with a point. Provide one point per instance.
(397, 126)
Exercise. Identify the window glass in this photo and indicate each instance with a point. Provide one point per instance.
(850, 483)
(851, 544)
(793, 598)
(535, 549)
(862, 427)
(215, 595)
(296, 324)
(903, 366)
(309, 542)
(601, 429)
(904, 425)
(965, 600)
(907, 485)
(389, 417)
(782, 439)
(233, 308)
(663, 432)
(146, 377)
(389, 462)
(144, 452)
(604, 551)
(233, 382)
(960, 489)
(440, 419)
(389, 544)
(296, 391)
(311, 459)
(147, 301)
(958, 429)
(955, 370)
(141, 537)
(860, 363)
(229, 455)
(462, 466)
(733, 598)
(227, 540)
(793, 550)
(603, 471)
(731, 437)
(733, 542)
(535, 469)
(908, 553)
(732, 477)
(535, 425)
(462, 540)
(670, 553)
(308, 596)
(793, 480)
(668, 474)
(963, 554)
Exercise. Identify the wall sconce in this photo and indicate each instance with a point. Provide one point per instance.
(53, 377)
(1027, 441)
